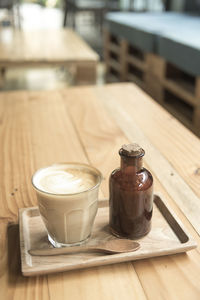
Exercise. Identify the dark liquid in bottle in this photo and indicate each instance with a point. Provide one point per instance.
(131, 197)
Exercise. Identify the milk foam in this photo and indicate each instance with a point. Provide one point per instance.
(59, 181)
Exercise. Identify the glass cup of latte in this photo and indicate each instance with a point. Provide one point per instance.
(67, 196)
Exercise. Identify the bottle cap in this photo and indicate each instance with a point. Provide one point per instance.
(131, 150)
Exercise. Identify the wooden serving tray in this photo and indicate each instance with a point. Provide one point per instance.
(167, 236)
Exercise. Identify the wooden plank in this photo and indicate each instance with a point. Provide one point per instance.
(197, 90)
(13, 284)
(156, 65)
(123, 113)
(86, 73)
(43, 63)
(29, 139)
(180, 115)
(197, 108)
(106, 41)
(154, 76)
(67, 146)
(178, 88)
(110, 64)
(113, 47)
(123, 62)
(179, 285)
(109, 282)
(16, 152)
(20, 120)
(136, 62)
(114, 64)
(2, 76)
(196, 120)
(96, 130)
(154, 87)
(16, 167)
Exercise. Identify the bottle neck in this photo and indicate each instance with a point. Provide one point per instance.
(133, 164)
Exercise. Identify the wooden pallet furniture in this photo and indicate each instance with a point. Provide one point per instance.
(179, 76)
(44, 48)
(176, 90)
(124, 62)
(153, 64)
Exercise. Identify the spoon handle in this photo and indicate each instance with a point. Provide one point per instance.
(58, 251)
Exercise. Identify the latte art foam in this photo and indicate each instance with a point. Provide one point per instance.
(58, 181)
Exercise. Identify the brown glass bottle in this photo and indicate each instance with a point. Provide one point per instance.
(131, 195)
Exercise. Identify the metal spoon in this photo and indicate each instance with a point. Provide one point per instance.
(111, 247)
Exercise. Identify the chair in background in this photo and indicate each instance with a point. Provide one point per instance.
(97, 7)
(13, 8)
(190, 6)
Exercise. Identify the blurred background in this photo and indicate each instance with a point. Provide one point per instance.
(153, 43)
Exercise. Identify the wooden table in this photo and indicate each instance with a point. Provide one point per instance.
(89, 124)
(46, 48)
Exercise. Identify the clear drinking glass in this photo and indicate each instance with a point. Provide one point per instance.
(69, 218)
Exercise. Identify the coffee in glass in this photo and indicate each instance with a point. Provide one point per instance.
(67, 196)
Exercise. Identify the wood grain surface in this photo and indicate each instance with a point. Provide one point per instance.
(89, 125)
(44, 47)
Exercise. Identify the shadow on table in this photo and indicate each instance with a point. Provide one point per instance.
(16, 281)
(14, 259)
